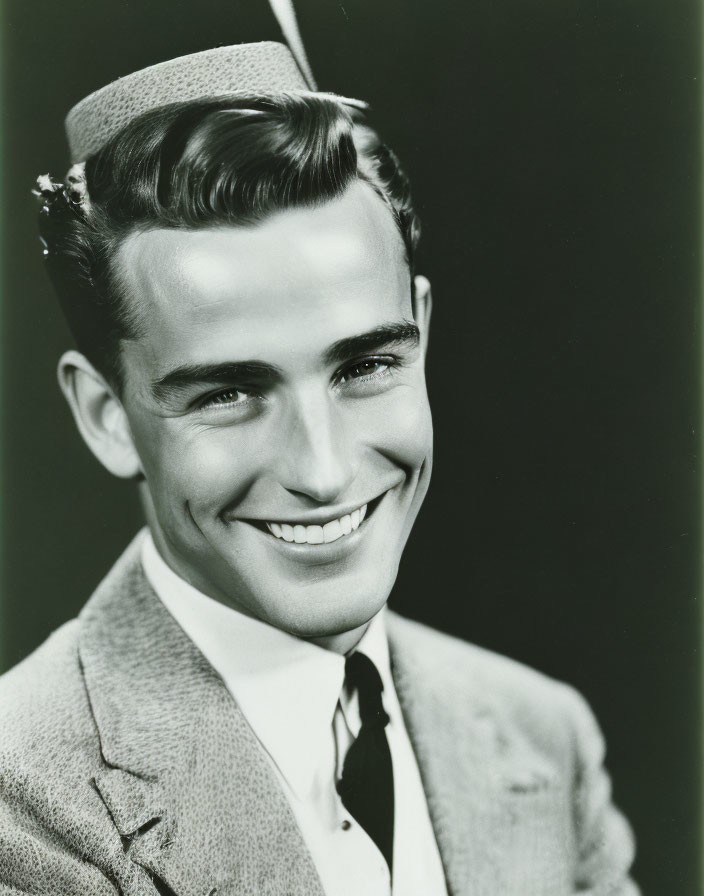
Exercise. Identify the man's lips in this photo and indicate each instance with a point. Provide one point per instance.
(331, 531)
(324, 530)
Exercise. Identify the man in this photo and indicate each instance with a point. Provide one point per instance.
(234, 711)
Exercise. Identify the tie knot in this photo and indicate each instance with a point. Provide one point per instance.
(362, 675)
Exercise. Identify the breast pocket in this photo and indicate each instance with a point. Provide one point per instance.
(540, 846)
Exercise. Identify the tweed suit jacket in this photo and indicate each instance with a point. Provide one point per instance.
(126, 767)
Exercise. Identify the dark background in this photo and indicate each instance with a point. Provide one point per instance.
(554, 149)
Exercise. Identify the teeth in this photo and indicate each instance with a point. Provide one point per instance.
(299, 533)
(314, 535)
(319, 534)
(287, 531)
(332, 531)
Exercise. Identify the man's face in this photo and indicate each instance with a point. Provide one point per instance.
(278, 389)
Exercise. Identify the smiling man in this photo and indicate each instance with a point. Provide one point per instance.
(235, 711)
(276, 408)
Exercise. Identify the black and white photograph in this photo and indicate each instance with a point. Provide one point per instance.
(351, 437)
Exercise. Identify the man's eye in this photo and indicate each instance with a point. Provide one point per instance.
(367, 367)
(226, 398)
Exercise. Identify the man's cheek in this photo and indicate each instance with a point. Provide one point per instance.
(211, 474)
(404, 427)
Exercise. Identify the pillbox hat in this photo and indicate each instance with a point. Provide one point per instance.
(260, 68)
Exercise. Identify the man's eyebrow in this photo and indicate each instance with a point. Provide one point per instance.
(190, 375)
(383, 336)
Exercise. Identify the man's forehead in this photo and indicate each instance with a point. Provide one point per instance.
(285, 289)
(335, 249)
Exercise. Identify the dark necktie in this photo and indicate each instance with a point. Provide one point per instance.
(367, 784)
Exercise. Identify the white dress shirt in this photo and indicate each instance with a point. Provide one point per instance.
(291, 693)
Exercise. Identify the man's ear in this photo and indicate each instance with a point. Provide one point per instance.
(99, 415)
(422, 308)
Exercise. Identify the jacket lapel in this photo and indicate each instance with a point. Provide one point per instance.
(192, 794)
(492, 797)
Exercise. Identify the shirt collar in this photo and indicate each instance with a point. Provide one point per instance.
(287, 688)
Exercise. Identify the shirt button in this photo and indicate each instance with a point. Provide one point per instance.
(346, 825)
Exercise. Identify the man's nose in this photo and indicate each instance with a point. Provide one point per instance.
(317, 456)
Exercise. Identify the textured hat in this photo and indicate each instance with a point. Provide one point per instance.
(256, 68)
(261, 68)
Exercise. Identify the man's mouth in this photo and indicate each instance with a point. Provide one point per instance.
(325, 533)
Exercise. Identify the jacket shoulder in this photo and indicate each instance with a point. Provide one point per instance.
(549, 713)
(532, 722)
(43, 702)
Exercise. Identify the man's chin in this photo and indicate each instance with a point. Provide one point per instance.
(322, 613)
(330, 623)
(342, 636)
(308, 601)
